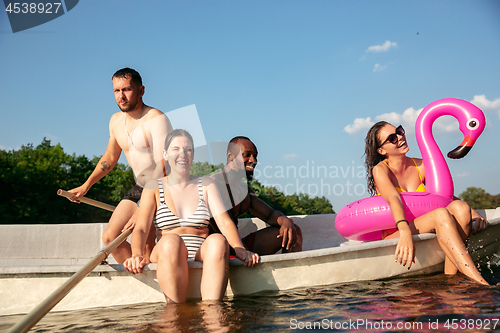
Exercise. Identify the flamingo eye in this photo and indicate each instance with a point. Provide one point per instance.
(472, 124)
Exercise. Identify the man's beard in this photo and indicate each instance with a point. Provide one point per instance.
(128, 107)
(249, 175)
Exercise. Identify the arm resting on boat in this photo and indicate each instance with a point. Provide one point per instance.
(141, 231)
(288, 230)
(226, 225)
(405, 249)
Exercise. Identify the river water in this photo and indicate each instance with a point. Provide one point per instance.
(431, 303)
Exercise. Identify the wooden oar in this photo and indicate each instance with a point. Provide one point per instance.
(41, 310)
(88, 201)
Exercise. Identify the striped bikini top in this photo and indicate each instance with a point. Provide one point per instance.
(166, 220)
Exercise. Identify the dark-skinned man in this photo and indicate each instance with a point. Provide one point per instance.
(239, 197)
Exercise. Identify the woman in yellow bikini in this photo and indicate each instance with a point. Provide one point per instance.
(389, 172)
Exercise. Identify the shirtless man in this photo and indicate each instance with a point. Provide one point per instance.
(139, 131)
(239, 197)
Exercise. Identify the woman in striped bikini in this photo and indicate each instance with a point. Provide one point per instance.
(389, 172)
(169, 203)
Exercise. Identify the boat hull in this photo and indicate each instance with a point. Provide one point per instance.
(335, 261)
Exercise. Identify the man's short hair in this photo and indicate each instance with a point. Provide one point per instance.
(235, 140)
(129, 73)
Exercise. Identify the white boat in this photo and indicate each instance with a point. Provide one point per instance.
(36, 259)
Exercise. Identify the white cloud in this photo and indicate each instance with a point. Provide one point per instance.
(409, 116)
(358, 125)
(290, 157)
(446, 124)
(463, 174)
(379, 68)
(486, 105)
(382, 48)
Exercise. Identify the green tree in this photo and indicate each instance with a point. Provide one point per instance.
(495, 200)
(294, 204)
(30, 178)
(113, 186)
(477, 198)
(200, 169)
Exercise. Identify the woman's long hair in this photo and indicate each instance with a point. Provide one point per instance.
(372, 156)
(168, 140)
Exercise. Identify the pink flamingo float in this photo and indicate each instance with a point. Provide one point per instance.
(365, 219)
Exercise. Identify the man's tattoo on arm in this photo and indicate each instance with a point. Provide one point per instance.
(105, 166)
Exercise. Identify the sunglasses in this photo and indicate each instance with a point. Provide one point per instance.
(393, 138)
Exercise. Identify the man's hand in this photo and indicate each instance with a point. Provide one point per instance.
(78, 193)
(478, 222)
(288, 232)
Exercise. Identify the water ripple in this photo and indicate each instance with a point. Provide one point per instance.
(421, 300)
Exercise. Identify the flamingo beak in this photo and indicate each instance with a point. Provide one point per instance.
(463, 148)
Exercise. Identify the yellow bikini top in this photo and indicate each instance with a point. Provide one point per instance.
(420, 188)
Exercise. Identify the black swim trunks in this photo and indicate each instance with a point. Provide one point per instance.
(134, 194)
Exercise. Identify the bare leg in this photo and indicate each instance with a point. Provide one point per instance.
(446, 227)
(267, 242)
(214, 316)
(460, 211)
(214, 253)
(172, 270)
(123, 212)
(449, 239)
(115, 226)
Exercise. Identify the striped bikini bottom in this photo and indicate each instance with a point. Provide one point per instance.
(193, 243)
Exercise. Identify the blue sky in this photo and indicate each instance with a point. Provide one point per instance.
(303, 79)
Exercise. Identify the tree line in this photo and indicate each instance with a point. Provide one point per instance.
(294, 204)
(477, 198)
(31, 176)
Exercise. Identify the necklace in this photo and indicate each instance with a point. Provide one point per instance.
(133, 129)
